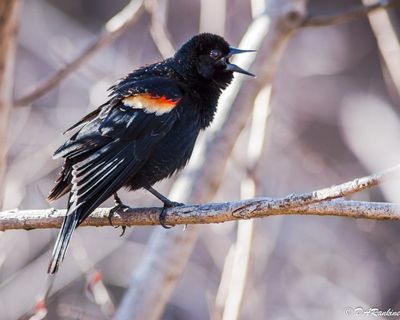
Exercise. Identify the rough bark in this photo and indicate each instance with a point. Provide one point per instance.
(202, 214)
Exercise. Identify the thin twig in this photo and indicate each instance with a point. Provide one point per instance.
(349, 15)
(338, 191)
(114, 29)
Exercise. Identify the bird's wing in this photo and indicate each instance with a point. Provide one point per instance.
(110, 145)
(115, 142)
(155, 87)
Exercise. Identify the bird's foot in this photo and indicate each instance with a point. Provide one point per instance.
(119, 206)
(167, 204)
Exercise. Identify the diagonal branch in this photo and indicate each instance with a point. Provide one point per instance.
(313, 203)
(349, 15)
(158, 28)
(115, 27)
(386, 30)
(338, 191)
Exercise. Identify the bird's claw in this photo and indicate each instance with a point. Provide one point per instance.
(163, 214)
(118, 207)
(123, 230)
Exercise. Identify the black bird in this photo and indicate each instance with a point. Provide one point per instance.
(144, 133)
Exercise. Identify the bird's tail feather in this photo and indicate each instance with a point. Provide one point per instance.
(62, 242)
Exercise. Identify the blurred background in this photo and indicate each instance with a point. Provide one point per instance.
(333, 115)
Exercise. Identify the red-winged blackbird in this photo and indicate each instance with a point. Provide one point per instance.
(144, 133)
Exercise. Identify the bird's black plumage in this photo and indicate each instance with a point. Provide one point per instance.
(144, 133)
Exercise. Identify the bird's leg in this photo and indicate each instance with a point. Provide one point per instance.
(118, 205)
(167, 204)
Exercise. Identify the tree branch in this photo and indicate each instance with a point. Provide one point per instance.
(202, 214)
(129, 15)
(8, 34)
(386, 31)
(349, 15)
(115, 27)
(312, 203)
(338, 191)
(158, 29)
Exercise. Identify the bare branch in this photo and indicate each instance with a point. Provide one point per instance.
(8, 32)
(115, 27)
(213, 16)
(129, 15)
(349, 15)
(338, 191)
(239, 269)
(158, 29)
(202, 214)
(306, 203)
(385, 29)
(241, 251)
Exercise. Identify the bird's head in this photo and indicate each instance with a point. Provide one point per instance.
(206, 57)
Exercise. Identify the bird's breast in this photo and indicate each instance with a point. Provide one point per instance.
(171, 154)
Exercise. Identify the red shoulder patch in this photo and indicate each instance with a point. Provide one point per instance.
(151, 103)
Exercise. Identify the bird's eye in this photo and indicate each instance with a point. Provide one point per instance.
(215, 53)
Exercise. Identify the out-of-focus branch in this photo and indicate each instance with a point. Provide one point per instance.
(95, 288)
(158, 29)
(241, 250)
(8, 32)
(114, 28)
(213, 16)
(384, 29)
(168, 251)
(129, 15)
(349, 15)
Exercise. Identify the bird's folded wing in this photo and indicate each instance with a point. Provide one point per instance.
(112, 145)
(154, 95)
(124, 140)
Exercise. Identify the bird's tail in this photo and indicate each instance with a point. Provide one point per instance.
(62, 242)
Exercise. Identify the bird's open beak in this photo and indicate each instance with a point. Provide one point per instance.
(233, 50)
(233, 67)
